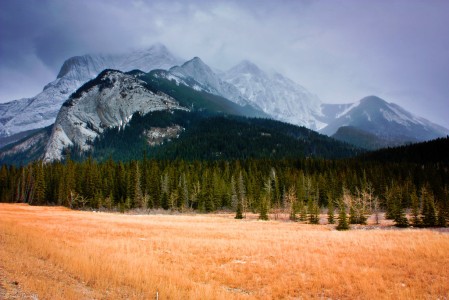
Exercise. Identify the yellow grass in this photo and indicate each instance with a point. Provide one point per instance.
(56, 253)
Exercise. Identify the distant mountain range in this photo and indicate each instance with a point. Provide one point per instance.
(381, 124)
(245, 90)
(123, 115)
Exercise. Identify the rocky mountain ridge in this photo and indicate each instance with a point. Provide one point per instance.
(110, 102)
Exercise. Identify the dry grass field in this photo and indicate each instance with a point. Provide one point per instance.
(55, 253)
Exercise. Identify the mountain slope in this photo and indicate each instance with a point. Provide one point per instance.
(202, 136)
(190, 94)
(360, 138)
(27, 149)
(208, 80)
(41, 110)
(386, 121)
(276, 95)
(108, 101)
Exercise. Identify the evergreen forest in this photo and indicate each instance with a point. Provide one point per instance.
(347, 189)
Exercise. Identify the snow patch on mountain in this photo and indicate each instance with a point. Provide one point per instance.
(276, 95)
(109, 103)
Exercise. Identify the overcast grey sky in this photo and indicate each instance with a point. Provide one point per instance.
(340, 50)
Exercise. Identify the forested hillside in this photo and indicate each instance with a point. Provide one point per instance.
(303, 187)
(202, 135)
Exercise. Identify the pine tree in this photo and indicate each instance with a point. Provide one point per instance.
(239, 212)
(416, 220)
(264, 208)
(265, 201)
(330, 210)
(291, 203)
(429, 212)
(401, 219)
(241, 198)
(342, 218)
(441, 219)
(135, 188)
(39, 188)
(352, 215)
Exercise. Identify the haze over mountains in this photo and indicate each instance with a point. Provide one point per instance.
(254, 91)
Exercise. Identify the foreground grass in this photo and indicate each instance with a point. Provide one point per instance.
(56, 253)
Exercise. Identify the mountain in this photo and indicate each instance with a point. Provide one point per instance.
(28, 149)
(360, 138)
(121, 115)
(41, 111)
(276, 95)
(243, 90)
(387, 121)
(208, 80)
(108, 101)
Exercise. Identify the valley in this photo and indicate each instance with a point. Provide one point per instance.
(57, 253)
(224, 150)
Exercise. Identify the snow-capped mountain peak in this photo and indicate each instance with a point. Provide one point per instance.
(386, 120)
(198, 70)
(276, 95)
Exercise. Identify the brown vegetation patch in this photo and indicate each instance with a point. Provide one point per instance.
(56, 253)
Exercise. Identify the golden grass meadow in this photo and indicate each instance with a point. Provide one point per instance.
(56, 253)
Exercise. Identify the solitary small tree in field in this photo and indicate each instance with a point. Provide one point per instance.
(342, 218)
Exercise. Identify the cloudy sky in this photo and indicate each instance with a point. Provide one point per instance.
(340, 50)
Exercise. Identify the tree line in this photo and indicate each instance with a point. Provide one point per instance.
(348, 190)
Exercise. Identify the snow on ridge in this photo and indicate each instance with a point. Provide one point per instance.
(344, 112)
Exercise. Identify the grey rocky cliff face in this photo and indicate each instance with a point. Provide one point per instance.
(109, 104)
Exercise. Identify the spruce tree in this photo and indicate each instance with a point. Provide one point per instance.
(330, 211)
(342, 218)
(401, 219)
(441, 219)
(416, 220)
(302, 211)
(429, 212)
(352, 215)
(39, 185)
(239, 212)
(264, 208)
